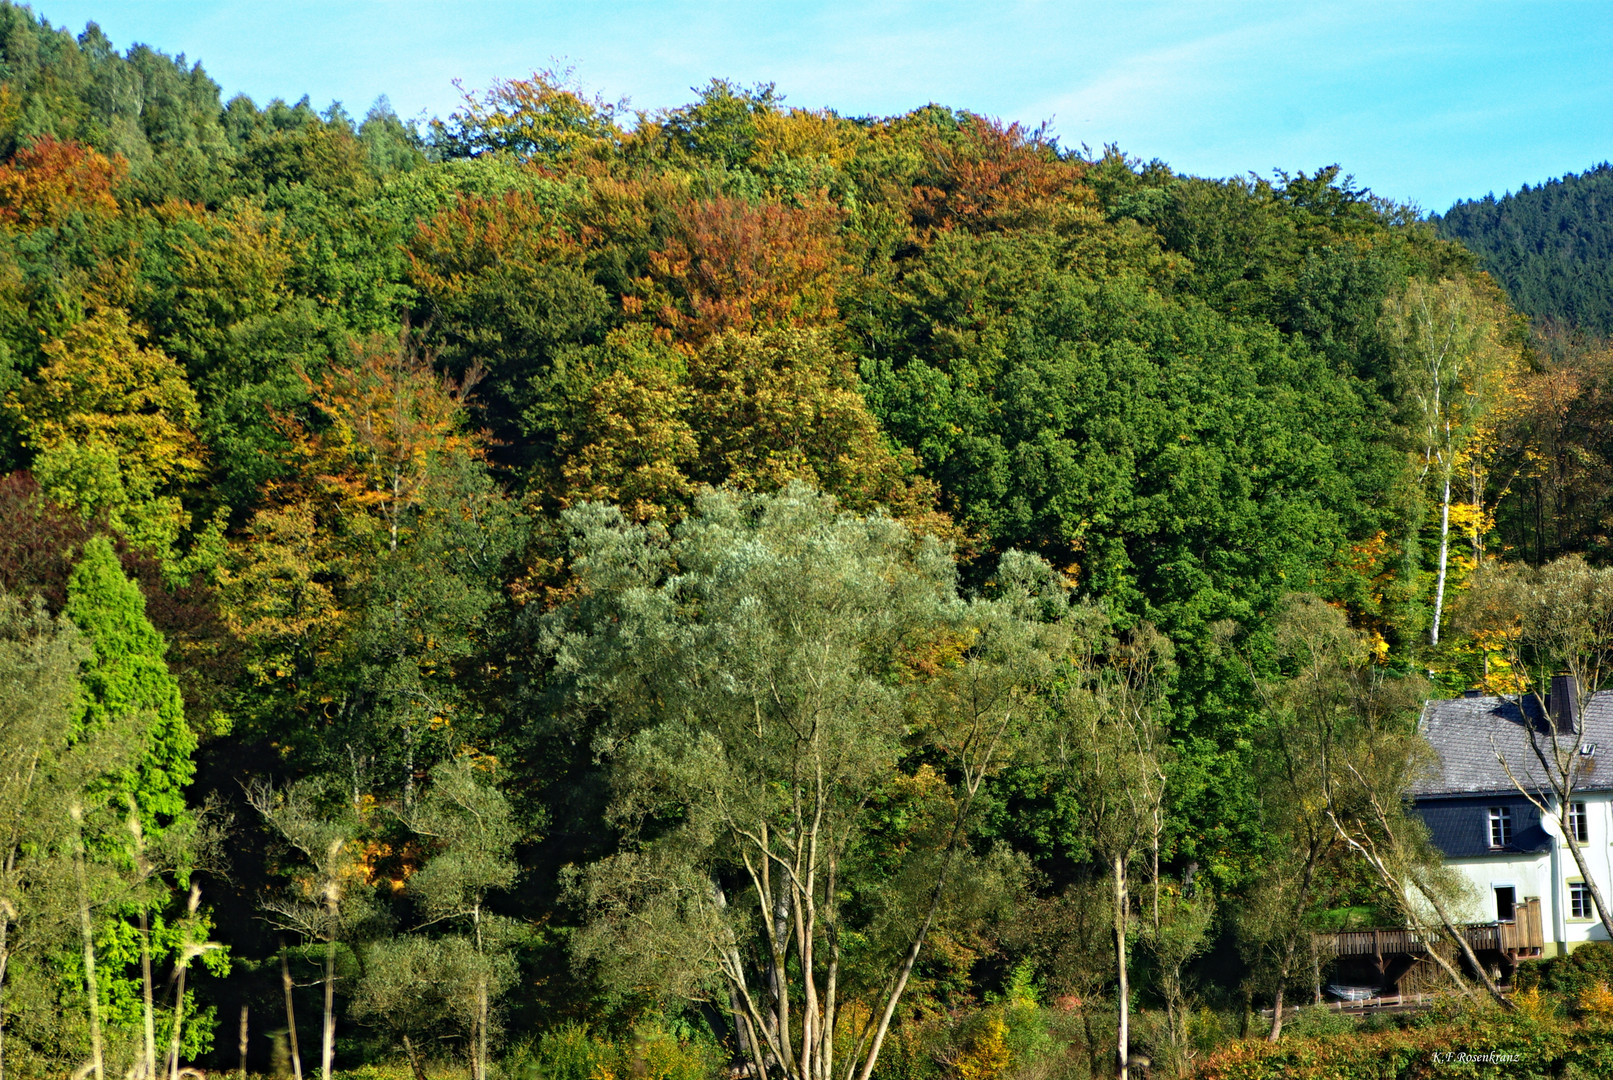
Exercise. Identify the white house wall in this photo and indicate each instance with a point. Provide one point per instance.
(1547, 876)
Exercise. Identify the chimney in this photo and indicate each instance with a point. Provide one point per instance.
(1564, 704)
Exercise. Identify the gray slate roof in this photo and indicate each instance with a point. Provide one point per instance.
(1461, 730)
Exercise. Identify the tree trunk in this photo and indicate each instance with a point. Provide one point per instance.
(1287, 966)
(91, 986)
(179, 1018)
(1444, 554)
(414, 1060)
(291, 1017)
(778, 974)
(327, 1042)
(903, 973)
(479, 1065)
(749, 1045)
(1584, 871)
(1467, 949)
(242, 1042)
(1123, 1032)
(481, 1027)
(149, 1011)
(5, 961)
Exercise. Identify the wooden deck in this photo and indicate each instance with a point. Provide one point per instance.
(1521, 937)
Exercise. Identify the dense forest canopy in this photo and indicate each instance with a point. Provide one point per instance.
(561, 587)
(1549, 246)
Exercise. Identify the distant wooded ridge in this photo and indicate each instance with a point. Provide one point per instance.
(1550, 246)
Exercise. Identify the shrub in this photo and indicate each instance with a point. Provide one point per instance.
(569, 1052)
(1596, 1003)
(1571, 975)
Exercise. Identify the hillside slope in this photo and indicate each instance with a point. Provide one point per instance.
(1550, 246)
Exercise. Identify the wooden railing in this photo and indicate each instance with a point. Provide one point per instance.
(1520, 935)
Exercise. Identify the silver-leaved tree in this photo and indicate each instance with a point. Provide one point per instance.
(799, 712)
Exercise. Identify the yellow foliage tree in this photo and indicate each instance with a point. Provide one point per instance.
(111, 424)
(1455, 364)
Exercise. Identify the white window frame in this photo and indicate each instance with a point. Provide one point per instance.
(1587, 906)
(1579, 822)
(1499, 819)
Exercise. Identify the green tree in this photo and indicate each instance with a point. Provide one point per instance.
(768, 668)
(1108, 747)
(1360, 726)
(328, 899)
(39, 663)
(470, 830)
(126, 676)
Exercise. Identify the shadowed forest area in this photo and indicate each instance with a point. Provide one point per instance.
(575, 592)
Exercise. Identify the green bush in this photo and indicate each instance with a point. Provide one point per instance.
(1529, 1044)
(653, 1052)
(1564, 977)
(1318, 1021)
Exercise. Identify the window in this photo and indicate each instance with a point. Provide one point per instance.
(1579, 825)
(1579, 901)
(1506, 903)
(1500, 826)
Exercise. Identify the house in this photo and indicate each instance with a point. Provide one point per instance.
(1495, 836)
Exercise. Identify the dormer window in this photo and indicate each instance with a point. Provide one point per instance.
(1500, 827)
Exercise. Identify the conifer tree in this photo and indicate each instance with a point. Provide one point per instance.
(126, 674)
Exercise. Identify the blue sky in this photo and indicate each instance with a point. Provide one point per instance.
(1425, 101)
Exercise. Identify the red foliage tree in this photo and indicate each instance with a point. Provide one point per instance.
(48, 180)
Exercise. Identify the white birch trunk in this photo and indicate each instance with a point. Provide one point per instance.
(1123, 1032)
(1444, 553)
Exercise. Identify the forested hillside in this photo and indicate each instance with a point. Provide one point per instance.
(1550, 246)
(569, 591)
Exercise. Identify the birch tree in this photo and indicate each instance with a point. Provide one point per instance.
(326, 898)
(1451, 363)
(468, 824)
(1109, 746)
(1361, 728)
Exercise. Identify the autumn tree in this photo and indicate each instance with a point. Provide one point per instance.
(548, 116)
(366, 584)
(646, 425)
(49, 180)
(1454, 364)
(112, 427)
(730, 265)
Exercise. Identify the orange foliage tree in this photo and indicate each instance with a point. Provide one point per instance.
(49, 180)
(989, 177)
(385, 418)
(730, 265)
